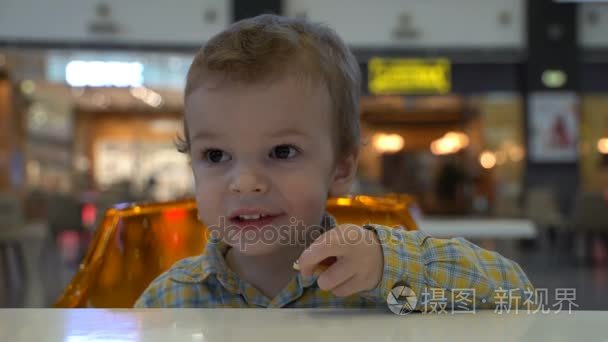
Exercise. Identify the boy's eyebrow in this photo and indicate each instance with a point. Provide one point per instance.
(287, 132)
(205, 135)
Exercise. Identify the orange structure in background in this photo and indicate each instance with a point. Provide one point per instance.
(136, 243)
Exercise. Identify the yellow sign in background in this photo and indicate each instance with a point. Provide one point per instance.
(409, 76)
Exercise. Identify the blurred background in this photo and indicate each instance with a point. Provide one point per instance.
(493, 114)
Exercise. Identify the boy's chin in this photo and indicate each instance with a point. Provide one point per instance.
(257, 249)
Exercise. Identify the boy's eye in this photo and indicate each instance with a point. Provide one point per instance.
(283, 152)
(215, 156)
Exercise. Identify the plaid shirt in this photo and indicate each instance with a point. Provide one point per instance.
(412, 258)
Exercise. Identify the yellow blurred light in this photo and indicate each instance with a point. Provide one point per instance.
(487, 159)
(388, 143)
(343, 201)
(602, 145)
(435, 148)
(366, 200)
(501, 157)
(462, 138)
(451, 142)
(516, 153)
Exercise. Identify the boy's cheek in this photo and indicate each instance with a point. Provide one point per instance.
(207, 209)
(312, 205)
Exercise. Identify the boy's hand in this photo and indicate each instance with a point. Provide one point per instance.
(359, 261)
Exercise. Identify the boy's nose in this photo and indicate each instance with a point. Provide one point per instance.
(248, 182)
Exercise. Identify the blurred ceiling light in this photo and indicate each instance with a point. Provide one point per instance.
(501, 157)
(602, 145)
(444, 146)
(463, 139)
(148, 96)
(138, 92)
(516, 153)
(554, 78)
(451, 142)
(487, 159)
(104, 74)
(154, 99)
(437, 148)
(28, 87)
(388, 143)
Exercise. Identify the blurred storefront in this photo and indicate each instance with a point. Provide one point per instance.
(456, 144)
(91, 120)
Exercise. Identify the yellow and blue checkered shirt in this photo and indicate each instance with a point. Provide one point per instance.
(411, 258)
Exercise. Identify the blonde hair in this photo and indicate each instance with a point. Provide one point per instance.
(267, 47)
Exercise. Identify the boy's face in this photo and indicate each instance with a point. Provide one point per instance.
(264, 149)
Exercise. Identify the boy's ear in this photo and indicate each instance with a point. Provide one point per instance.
(344, 175)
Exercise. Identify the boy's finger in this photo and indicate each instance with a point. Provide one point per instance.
(318, 251)
(347, 288)
(337, 274)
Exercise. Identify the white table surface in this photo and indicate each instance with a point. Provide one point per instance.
(293, 325)
(478, 228)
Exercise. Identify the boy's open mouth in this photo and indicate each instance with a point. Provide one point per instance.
(250, 219)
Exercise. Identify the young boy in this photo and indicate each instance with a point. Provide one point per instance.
(272, 129)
